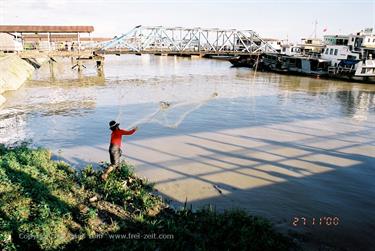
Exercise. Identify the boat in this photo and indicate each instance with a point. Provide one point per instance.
(274, 45)
(294, 64)
(311, 46)
(243, 61)
(352, 56)
(291, 49)
(346, 57)
(218, 57)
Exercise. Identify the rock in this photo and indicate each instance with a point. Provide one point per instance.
(93, 199)
(14, 72)
(83, 208)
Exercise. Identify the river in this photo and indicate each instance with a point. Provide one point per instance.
(279, 146)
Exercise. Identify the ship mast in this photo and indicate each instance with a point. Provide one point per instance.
(315, 24)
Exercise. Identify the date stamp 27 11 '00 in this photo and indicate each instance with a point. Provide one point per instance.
(315, 221)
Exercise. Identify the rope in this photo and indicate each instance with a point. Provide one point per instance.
(119, 113)
(256, 67)
(252, 83)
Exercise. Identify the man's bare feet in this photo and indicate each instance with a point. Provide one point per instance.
(104, 176)
(107, 172)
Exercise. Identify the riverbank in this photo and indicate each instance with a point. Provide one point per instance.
(48, 205)
(14, 72)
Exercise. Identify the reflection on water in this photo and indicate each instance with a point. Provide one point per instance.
(356, 103)
(135, 85)
(264, 117)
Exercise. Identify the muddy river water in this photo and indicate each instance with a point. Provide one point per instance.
(299, 151)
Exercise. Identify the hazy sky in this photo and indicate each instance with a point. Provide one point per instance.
(270, 18)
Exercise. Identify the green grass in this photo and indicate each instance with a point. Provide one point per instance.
(47, 205)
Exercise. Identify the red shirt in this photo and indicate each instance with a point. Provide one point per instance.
(116, 136)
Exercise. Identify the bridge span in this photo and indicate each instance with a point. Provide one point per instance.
(159, 40)
(186, 41)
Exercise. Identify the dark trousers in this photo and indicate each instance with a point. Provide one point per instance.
(115, 154)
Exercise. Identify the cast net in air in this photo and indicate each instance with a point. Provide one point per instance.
(171, 115)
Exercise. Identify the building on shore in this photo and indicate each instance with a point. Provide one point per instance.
(61, 42)
(45, 38)
(10, 42)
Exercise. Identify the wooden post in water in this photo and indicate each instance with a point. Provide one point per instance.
(49, 41)
(79, 42)
(51, 70)
(99, 63)
(79, 65)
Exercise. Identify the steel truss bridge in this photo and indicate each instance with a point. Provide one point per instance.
(186, 41)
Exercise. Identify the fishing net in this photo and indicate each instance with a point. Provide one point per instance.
(171, 115)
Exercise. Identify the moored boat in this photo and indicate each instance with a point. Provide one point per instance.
(243, 61)
(352, 56)
(294, 64)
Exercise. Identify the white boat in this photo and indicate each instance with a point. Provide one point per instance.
(352, 56)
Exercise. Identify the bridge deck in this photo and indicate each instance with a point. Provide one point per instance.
(170, 52)
(90, 53)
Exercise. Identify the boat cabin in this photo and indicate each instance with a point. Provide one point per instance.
(336, 53)
(296, 64)
(291, 50)
(311, 45)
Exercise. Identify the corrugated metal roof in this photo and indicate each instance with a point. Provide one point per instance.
(61, 38)
(44, 29)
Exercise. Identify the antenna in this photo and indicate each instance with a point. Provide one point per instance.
(314, 32)
(315, 24)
